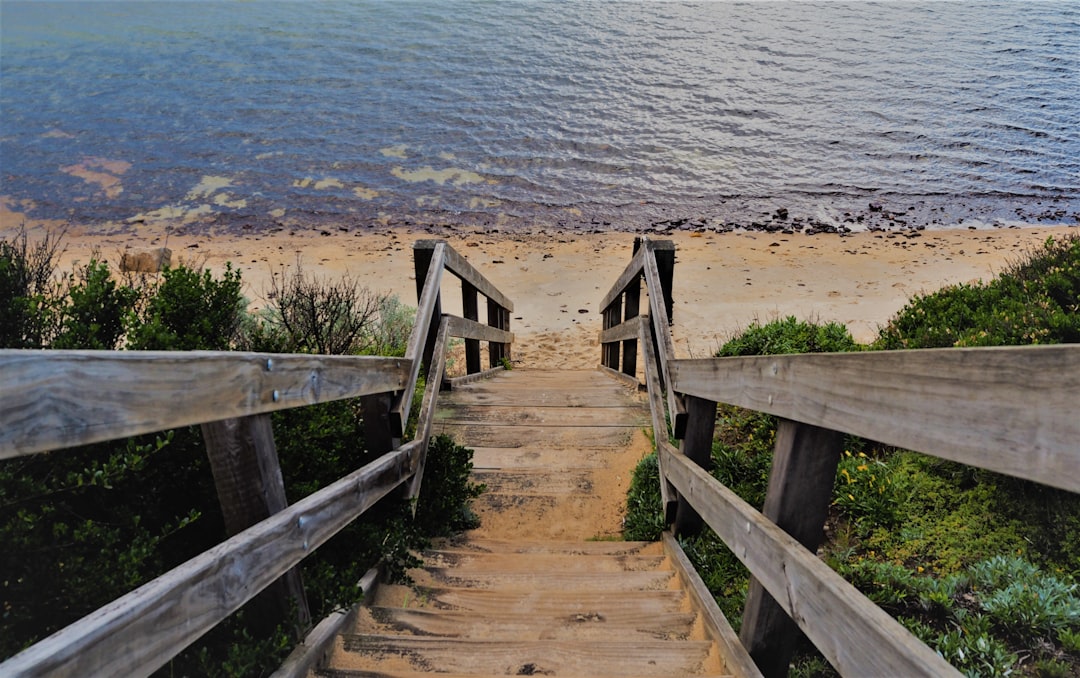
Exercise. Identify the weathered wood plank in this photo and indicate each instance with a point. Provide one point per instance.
(426, 322)
(612, 582)
(138, 633)
(1012, 409)
(797, 501)
(662, 337)
(468, 329)
(558, 437)
(632, 270)
(470, 309)
(427, 410)
(855, 635)
(509, 415)
(696, 446)
(732, 652)
(56, 399)
(563, 658)
(621, 332)
(460, 267)
(669, 498)
(484, 601)
(504, 625)
(537, 457)
(247, 477)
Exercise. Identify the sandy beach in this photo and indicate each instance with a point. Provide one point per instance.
(723, 281)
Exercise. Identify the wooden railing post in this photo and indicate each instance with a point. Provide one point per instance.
(664, 250)
(471, 311)
(498, 317)
(379, 435)
(696, 445)
(423, 251)
(631, 309)
(612, 317)
(798, 497)
(249, 486)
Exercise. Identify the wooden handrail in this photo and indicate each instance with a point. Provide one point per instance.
(855, 635)
(433, 257)
(55, 399)
(1010, 410)
(139, 632)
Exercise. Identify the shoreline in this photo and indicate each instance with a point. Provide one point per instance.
(723, 281)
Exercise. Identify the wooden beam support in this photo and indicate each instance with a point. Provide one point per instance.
(669, 498)
(247, 476)
(428, 263)
(696, 446)
(800, 490)
(620, 332)
(470, 309)
(460, 327)
(631, 310)
(632, 270)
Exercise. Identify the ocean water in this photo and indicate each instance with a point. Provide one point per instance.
(578, 114)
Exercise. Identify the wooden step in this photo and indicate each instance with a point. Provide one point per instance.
(538, 457)
(629, 624)
(514, 415)
(639, 658)
(550, 436)
(408, 673)
(549, 603)
(583, 548)
(470, 562)
(534, 481)
(436, 577)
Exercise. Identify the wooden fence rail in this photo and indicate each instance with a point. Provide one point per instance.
(55, 399)
(1010, 410)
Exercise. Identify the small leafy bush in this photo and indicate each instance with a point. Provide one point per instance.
(644, 519)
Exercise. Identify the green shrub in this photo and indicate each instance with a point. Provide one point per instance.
(644, 510)
(26, 287)
(789, 335)
(1035, 301)
(190, 310)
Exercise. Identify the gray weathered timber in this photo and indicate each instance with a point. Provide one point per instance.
(1012, 409)
(696, 446)
(662, 337)
(55, 399)
(470, 309)
(855, 635)
(622, 332)
(736, 659)
(467, 329)
(247, 477)
(668, 496)
(136, 634)
(797, 501)
(601, 415)
(428, 280)
(461, 268)
(427, 411)
(631, 310)
(632, 270)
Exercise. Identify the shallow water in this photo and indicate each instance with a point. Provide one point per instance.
(582, 114)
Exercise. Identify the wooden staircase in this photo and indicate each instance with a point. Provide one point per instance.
(542, 587)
